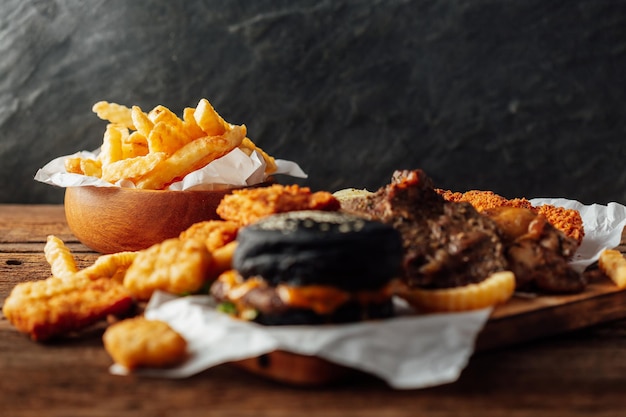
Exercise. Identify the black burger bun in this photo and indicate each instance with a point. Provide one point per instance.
(319, 248)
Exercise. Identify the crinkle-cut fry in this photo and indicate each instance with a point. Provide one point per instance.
(141, 121)
(190, 125)
(191, 157)
(209, 120)
(248, 147)
(111, 149)
(54, 306)
(91, 167)
(167, 138)
(72, 165)
(139, 342)
(135, 145)
(114, 113)
(613, 264)
(132, 168)
(60, 258)
(112, 266)
(496, 289)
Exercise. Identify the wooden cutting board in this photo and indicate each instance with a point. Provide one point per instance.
(525, 318)
(521, 319)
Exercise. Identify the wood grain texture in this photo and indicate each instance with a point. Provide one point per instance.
(577, 373)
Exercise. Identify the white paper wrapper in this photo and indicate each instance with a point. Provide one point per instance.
(408, 351)
(232, 170)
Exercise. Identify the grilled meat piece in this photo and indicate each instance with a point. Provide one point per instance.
(537, 252)
(449, 243)
(445, 244)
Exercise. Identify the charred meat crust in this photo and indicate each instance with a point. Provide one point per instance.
(448, 244)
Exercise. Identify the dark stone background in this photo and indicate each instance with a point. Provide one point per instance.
(526, 98)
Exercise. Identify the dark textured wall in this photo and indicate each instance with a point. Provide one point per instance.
(527, 98)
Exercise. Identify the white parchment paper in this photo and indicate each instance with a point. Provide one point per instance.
(233, 169)
(408, 351)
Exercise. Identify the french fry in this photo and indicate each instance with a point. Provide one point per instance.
(209, 121)
(58, 255)
(91, 167)
(190, 157)
(114, 113)
(135, 145)
(248, 147)
(191, 127)
(167, 138)
(132, 168)
(613, 264)
(141, 121)
(111, 149)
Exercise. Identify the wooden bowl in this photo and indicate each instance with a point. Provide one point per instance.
(114, 219)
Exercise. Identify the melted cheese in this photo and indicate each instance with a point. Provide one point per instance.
(322, 299)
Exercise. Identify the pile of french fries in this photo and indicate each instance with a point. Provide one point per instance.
(157, 148)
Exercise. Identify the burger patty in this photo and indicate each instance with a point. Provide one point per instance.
(271, 309)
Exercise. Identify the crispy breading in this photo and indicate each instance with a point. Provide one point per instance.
(174, 265)
(56, 306)
(213, 233)
(248, 205)
(139, 342)
(568, 221)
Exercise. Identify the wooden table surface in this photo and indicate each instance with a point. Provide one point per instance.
(579, 373)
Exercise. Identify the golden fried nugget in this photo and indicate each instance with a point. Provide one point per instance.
(222, 259)
(213, 233)
(60, 258)
(54, 306)
(114, 113)
(191, 157)
(132, 168)
(245, 206)
(175, 266)
(138, 342)
(567, 221)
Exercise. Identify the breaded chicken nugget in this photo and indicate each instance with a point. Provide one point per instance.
(174, 265)
(213, 233)
(248, 205)
(56, 306)
(139, 342)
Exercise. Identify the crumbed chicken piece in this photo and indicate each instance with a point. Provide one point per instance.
(568, 221)
(245, 206)
(138, 342)
(55, 306)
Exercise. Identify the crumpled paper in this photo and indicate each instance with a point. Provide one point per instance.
(234, 169)
(408, 351)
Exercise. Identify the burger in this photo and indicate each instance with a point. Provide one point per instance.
(311, 267)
